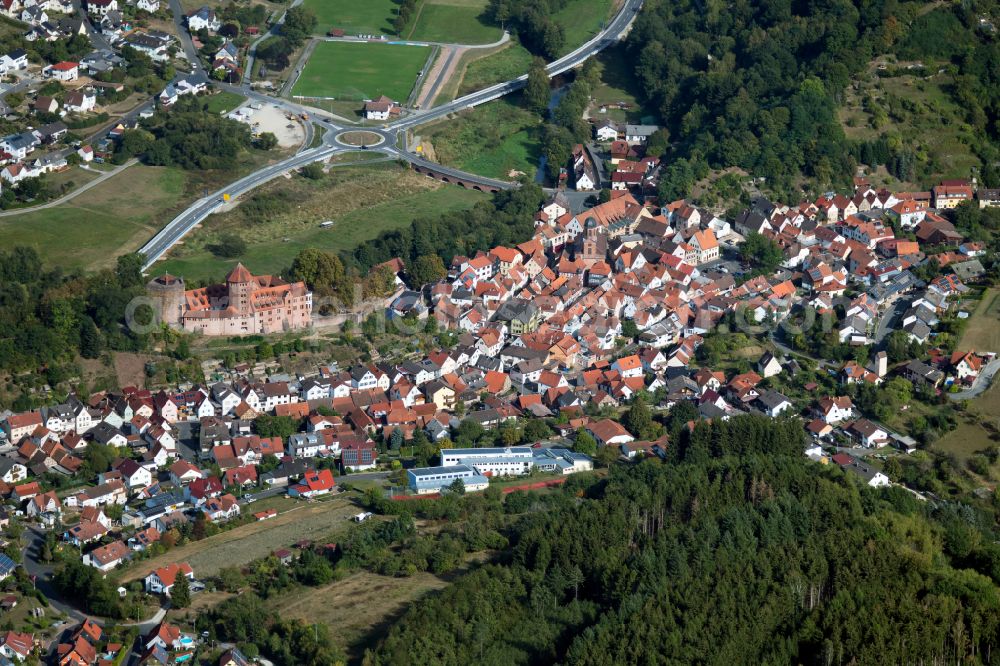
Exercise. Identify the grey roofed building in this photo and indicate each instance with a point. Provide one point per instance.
(517, 310)
(750, 221)
(917, 370)
(635, 132)
(6, 464)
(899, 284)
(709, 410)
(771, 398)
(918, 330)
(968, 270)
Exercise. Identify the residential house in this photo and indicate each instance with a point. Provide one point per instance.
(160, 581)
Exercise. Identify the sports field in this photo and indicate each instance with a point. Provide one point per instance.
(454, 22)
(354, 17)
(345, 70)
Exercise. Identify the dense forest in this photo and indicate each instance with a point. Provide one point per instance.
(737, 550)
(756, 85)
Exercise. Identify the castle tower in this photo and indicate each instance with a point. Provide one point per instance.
(240, 285)
(169, 292)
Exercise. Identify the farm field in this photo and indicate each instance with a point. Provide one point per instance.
(372, 17)
(248, 542)
(362, 201)
(354, 71)
(982, 333)
(454, 22)
(497, 139)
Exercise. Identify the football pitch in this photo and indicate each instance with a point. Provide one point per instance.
(357, 71)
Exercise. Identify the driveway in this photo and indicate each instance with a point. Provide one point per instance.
(981, 383)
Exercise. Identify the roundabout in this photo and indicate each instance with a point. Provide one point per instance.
(358, 138)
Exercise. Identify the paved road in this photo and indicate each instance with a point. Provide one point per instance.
(176, 229)
(981, 383)
(75, 193)
(190, 52)
(97, 40)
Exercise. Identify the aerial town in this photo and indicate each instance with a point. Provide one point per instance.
(426, 331)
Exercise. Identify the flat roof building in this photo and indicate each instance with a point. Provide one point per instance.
(429, 480)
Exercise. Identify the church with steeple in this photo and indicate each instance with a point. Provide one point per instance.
(246, 304)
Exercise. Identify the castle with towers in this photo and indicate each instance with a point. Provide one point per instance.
(246, 304)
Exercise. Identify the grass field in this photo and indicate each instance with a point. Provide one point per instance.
(982, 333)
(359, 603)
(254, 540)
(477, 71)
(224, 102)
(110, 219)
(582, 19)
(454, 22)
(355, 17)
(494, 140)
(361, 71)
(92, 229)
(363, 201)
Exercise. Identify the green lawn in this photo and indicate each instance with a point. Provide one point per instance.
(482, 72)
(491, 140)
(454, 22)
(362, 201)
(355, 17)
(582, 19)
(361, 71)
(103, 222)
(224, 102)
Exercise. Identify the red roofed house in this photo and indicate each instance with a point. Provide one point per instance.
(161, 580)
(224, 507)
(14, 645)
(313, 484)
(628, 366)
(63, 71)
(358, 454)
